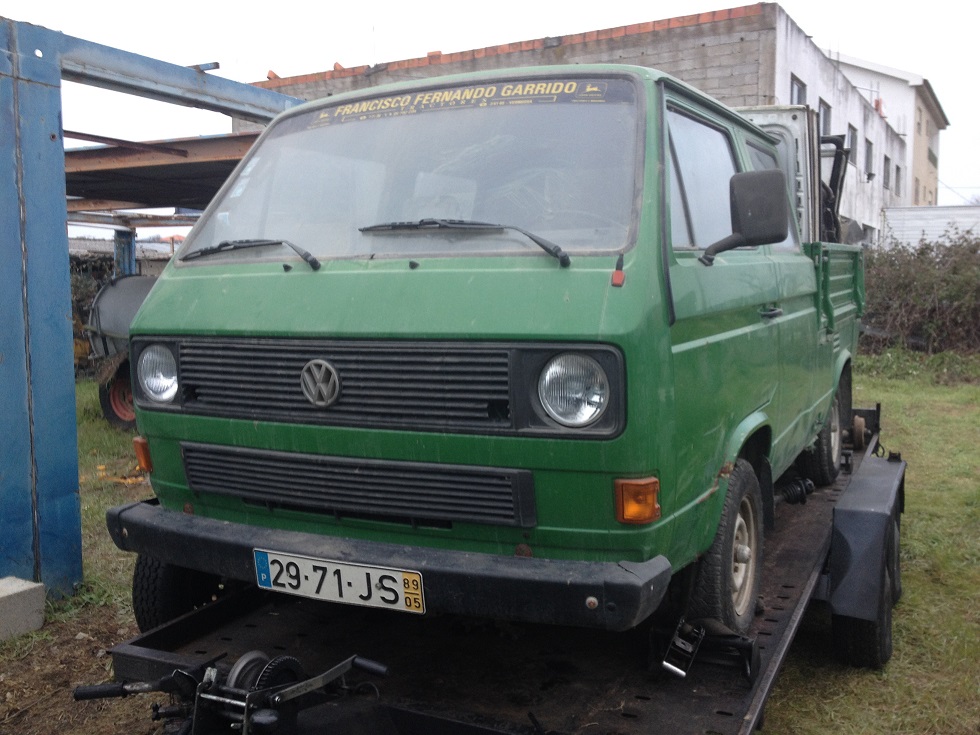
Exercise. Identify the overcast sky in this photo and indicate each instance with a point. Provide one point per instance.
(293, 38)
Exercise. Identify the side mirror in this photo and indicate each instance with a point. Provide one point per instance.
(760, 215)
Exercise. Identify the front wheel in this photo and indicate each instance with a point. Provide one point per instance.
(729, 574)
(162, 592)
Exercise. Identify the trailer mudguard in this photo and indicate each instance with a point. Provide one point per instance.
(865, 519)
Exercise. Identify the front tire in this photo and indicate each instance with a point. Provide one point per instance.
(729, 573)
(162, 592)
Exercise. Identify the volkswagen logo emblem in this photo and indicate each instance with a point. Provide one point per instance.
(320, 382)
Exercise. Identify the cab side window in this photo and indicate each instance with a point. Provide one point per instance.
(761, 160)
(702, 163)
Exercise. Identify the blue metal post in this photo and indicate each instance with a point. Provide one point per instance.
(125, 252)
(40, 520)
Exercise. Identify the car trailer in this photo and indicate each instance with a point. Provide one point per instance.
(255, 662)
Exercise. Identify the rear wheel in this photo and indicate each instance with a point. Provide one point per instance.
(162, 592)
(822, 463)
(728, 577)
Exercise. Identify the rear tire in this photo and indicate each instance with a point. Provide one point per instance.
(821, 464)
(727, 585)
(162, 592)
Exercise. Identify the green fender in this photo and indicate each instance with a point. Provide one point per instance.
(752, 440)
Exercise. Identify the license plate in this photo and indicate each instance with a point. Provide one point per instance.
(353, 584)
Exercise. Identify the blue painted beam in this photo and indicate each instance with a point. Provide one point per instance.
(124, 244)
(16, 516)
(122, 71)
(40, 522)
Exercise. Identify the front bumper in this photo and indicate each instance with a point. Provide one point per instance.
(465, 583)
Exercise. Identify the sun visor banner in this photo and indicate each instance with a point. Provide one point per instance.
(537, 92)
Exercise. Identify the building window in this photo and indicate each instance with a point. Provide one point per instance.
(898, 181)
(852, 144)
(824, 119)
(869, 159)
(916, 201)
(886, 173)
(918, 121)
(797, 91)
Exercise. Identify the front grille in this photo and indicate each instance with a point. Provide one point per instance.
(431, 386)
(413, 492)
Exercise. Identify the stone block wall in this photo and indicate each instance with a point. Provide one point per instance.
(728, 54)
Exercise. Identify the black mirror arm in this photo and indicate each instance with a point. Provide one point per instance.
(735, 240)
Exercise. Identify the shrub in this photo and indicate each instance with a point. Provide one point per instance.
(925, 296)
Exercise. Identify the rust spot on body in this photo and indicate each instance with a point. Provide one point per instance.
(723, 474)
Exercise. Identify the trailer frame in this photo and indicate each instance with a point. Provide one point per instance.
(466, 675)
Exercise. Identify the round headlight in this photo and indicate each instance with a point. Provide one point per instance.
(573, 389)
(157, 373)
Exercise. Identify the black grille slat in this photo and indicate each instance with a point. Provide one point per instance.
(426, 386)
(366, 488)
(245, 470)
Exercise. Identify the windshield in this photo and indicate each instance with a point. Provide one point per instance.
(555, 158)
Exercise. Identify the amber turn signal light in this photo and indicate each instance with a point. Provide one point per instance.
(637, 501)
(142, 447)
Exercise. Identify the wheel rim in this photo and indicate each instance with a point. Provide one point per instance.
(121, 399)
(835, 432)
(744, 554)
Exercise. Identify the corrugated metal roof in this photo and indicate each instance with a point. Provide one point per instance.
(123, 177)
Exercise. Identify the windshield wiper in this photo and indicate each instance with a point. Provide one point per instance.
(464, 224)
(228, 245)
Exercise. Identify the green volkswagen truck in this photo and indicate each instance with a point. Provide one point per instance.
(524, 345)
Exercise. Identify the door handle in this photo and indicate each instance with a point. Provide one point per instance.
(771, 312)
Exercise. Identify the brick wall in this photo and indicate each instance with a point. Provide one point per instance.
(728, 54)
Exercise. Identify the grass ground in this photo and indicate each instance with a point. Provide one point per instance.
(932, 683)
(931, 410)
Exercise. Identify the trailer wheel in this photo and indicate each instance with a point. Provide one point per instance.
(728, 575)
(867, 643)
(162, 592)
(116, 399)
(822, 463)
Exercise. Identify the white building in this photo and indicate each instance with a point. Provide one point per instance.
(909, 104)
(910, 225)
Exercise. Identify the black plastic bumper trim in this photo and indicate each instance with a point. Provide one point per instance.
(466, 583)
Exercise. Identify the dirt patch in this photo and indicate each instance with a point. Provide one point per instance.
(38, 676)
